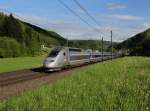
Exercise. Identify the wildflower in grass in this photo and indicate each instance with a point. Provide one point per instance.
(105, 89)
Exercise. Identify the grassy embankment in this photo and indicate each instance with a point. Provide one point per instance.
(120, 85)
(13, 64)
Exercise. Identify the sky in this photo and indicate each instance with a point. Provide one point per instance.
(124, 17)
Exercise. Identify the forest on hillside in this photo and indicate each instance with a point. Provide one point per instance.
(18, 38)
(137, 45)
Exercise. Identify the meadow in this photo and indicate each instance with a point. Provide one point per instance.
(119, 85)
(13, 64)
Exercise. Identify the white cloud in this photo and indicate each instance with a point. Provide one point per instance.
(29, 17)
(112, 6)
(140, 26)
(3, 7)
(80, 11)
(69, 29)
(75, 30)
(127, 17)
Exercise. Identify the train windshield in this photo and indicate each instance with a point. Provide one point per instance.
(54, 52)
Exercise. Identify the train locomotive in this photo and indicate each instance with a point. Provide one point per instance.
(64, 57)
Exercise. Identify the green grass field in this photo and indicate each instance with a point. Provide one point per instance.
(13, 64)
(120, 85)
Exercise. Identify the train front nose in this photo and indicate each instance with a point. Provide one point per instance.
(49, 63)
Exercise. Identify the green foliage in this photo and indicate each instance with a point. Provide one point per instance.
(2, 22)
(9, 47)
(29, 37)
(20, 63)
(138, 45)
(119, 85)
(14, 29)
(51, 34)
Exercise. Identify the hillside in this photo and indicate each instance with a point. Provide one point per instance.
(19, 38)
(118, 85)
(138, 44)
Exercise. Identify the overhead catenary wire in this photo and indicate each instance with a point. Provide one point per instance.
(87, 12)
(92, 18)
(66, 6)
(73, 12)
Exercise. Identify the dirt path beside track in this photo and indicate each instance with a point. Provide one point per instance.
(15, 83)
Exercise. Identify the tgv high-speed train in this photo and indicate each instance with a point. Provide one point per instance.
(63, 57)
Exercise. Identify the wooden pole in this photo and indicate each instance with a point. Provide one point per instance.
(102, 48)
(111, 46)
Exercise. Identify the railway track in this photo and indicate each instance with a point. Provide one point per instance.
(19, 79)
(13, 83)
(16, 78)
(26, 75)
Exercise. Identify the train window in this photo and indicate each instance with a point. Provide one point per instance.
(79, 57)
(75, 50)
(54, 52)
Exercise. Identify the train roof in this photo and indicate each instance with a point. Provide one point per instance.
(67, 47)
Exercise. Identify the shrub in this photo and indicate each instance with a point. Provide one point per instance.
(9, 47)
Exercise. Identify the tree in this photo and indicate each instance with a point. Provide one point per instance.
(9, 47)
(14, 28)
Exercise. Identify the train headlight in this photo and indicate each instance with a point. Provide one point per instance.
(51, 61)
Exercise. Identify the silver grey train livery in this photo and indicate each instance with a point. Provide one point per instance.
(63, 57)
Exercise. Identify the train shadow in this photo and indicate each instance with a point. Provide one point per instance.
(42, 70)
(39, 69)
